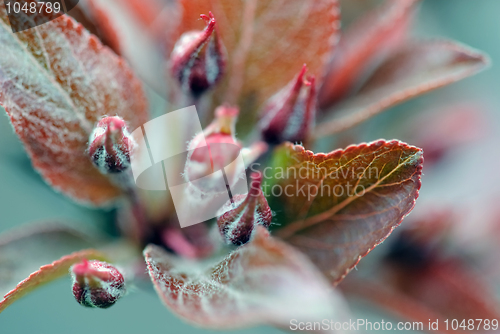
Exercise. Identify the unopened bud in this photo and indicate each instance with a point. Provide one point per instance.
(111, 145)
(96, 283)
(237, 219)
(212, 150)
(289, 114)
(198, 59)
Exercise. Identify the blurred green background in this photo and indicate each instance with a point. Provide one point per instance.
(25, 198)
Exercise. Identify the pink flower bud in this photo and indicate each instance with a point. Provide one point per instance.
(289, 114)
(96, 283)
(198, 60)
(237, 220)
(110, 145)
(212, 150)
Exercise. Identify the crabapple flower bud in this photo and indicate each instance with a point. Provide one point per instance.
(289, 114)
(212, 150)
(237, 220)
(198, 59)
(96, 283)
(110, 145)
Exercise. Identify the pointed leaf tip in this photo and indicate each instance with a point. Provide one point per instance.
(417, 68)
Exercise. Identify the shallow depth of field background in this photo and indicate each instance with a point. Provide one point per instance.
(467, 177)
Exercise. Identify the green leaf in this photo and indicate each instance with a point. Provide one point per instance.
(337, 207)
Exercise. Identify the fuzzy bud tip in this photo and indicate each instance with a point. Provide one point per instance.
(289, 114)
(237, 220)
(111, 145)
(96, 284)
(198, 60)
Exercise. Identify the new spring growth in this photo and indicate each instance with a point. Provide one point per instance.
(96, 283)
(237, 221)
(110, 145)
(289, 114)
(212, 150)
(198, 59)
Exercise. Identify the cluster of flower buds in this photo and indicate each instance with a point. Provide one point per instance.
(96, 283)
(212, 150)
(111, 145)
(198, 59)
(237, 219)
(289, 114)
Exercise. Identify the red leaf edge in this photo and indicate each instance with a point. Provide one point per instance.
(48, 273)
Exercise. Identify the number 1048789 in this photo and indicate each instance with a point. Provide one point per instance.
(35, 7)
(472, 325)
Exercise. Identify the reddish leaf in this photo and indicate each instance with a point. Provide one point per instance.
(48, 273)
(144, 29)
(443, 290)
(265, 281)
(267, 43)
(56, 81)
(455, 291)
(99, 24)
(421, 267)
(421, 279)
(416, 69)
(365, 44)
(338, 206)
